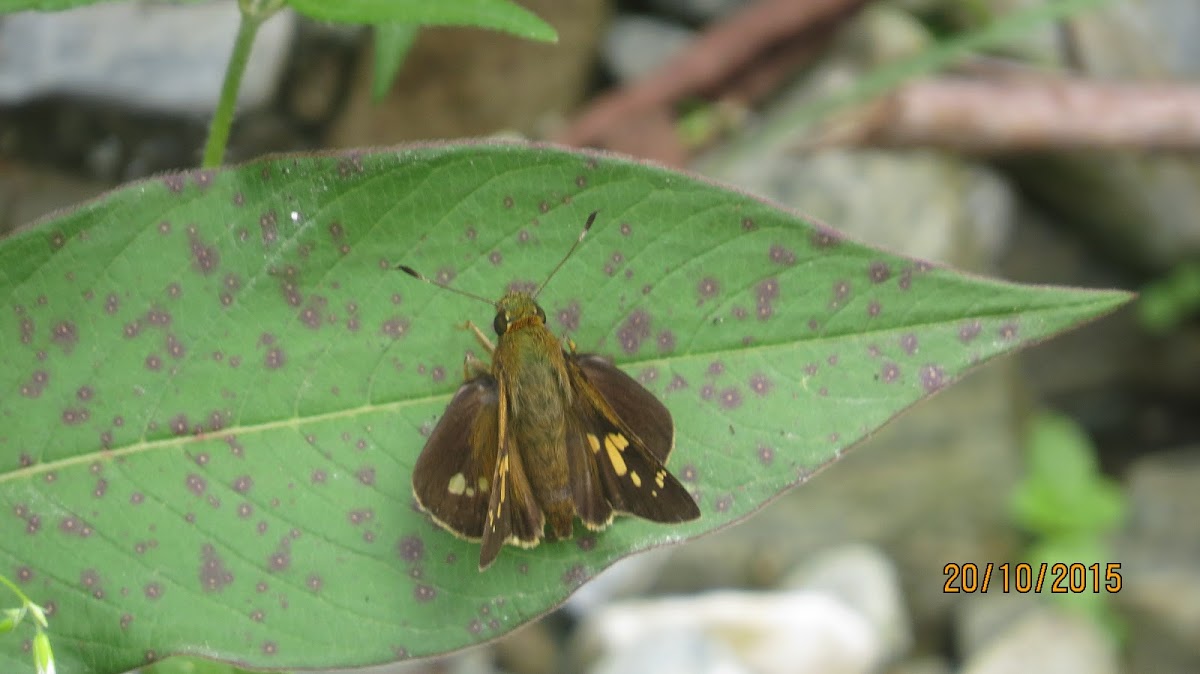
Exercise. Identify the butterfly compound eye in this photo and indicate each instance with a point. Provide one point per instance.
(500, 323)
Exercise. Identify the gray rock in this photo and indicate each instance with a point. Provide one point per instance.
(796, 632)
(1141, 208)
(1050, 642)
(672, 652)
(1139, 39)
(697, 10)
(470, 661)
(155, 56)
(532, 649)
(925, 664)
(977, 622)
(635, 45)
(1160, 561)
(865, 579)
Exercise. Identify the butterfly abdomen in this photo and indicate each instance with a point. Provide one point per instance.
(539, 400)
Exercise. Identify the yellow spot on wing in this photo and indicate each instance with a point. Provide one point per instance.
(618, 440)
(660, 478)
(594, 442)
(614, 455)
(457, 484)
(483, 484)
(637, 479)
(503, 478)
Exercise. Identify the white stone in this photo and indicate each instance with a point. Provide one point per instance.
(161, 57)
(793, 632)
(1047, 641)
(865, 579)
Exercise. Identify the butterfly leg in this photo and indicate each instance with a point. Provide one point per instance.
(483, 339)
(474, 367)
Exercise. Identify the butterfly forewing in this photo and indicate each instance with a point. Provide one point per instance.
(454, 475)
(628, 434)
(648, 418)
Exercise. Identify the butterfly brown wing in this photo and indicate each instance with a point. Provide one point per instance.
(453, 476)
(620, 439)
(513, 515)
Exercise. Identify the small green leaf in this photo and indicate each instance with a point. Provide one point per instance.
(10, 618)
(1064, 491)
(499, 15)
(217, 385)
(43, 655)
(392, 42)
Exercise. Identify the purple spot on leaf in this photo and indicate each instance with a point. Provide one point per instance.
(214, 575)
(782, 255)
(824, 237)
(575, 576)
(731, 398)
(760, 384)
(969, 331)
(424, 593)
(766, 455)
(268, 225)
(395, 327)
(666, 341)
(205, 258)
(275, 358)
(634, 330)
(932, 378)
(889, 373)
(66, 335)
(411, 549)
(879, 272)
(568, 318)
(196, 484)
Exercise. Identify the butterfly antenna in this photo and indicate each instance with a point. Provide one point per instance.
(421, 277)
(586, 226)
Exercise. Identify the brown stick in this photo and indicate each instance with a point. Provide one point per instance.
(638, 118)
(1015, 115)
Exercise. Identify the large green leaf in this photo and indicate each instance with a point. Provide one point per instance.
(494, 14)
(215, 385)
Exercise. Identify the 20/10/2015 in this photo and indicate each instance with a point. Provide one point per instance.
(1056, 578)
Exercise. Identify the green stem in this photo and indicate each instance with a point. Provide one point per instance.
(222, 121)
(16, 590)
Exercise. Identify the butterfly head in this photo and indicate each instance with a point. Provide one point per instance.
(517, 310)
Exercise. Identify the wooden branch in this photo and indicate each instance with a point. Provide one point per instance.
(1019, 115)
(639, 119)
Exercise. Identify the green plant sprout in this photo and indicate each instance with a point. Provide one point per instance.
(1069, 508)
(1168, 302)
(43, 655)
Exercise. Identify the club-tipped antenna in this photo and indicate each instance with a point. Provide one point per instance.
(421, 277)
(586, 226)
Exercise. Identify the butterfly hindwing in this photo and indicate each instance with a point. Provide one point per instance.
(627, 434)
(454, 474)
(513, 515)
